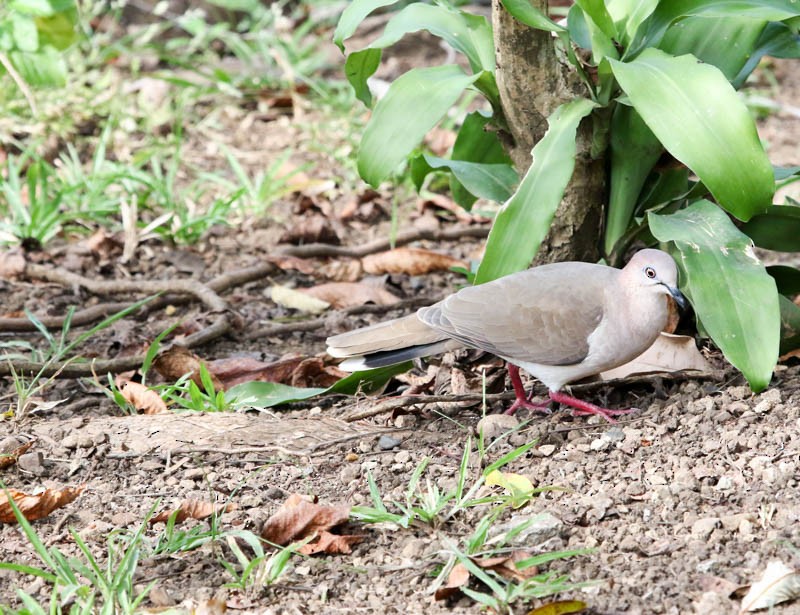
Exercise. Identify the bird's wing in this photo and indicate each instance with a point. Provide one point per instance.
(543, 315)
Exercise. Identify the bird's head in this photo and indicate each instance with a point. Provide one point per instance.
(654, 270)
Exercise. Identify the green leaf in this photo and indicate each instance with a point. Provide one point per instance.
(726, 42)
(36, 8)
(778, 229)
(596, 10)
(495, 182)
(524, 12)
(413, 105)
(700, 120)
(628, 15)
(360, 66)
(634, 151)
(58, 30)
(539, 194)
(786, 278)
(668, 12)
(732, 294)
(790, 325)
(269, 394)
(23, 29)
(353, 15)
(45, 68)
(777, 40)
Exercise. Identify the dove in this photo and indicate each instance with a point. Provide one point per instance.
(559, 322)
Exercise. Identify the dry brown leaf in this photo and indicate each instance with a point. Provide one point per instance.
(344, 270)
(458, 578)
(439, 202)
(669, 353)
(192, 509)
(560, 607)
(140, 397)
(303, 265)
(369, 207)
(235, 370)
(10, 458)
(412, 261)
(103, 244)
(330, 543)
(350, 294)
(312, 372)
(38, 505)
(297, 300)
(310, 229)
(176, 362)
(299, 518)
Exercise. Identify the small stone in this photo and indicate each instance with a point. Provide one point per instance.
(85, 441)
(547, 449)
(70, 441)
(600, 444)
(402, 457)
(10, 444)
(303, 571)
(769, 399)
(495, 425)
(194, 473)
(349, 473)
(405, 421)
(702, 528)
(32, 462)
(387, 443)
(315, 411)
(414, 549)
(364, 447)
(160, 597)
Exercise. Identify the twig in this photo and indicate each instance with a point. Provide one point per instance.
(412, 400)
(23, 87)
(379, 245)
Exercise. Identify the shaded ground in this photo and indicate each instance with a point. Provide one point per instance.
(681, 502)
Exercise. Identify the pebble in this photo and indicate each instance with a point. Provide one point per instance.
(10, 443)
(495, 425)
(402, 457)
(769, 399)
(404, 421)
(702, 528)
(32, 462)
(547, 449)
(387, 443)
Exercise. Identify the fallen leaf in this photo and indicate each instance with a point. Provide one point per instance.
(299, 518)
(140, 397)
(297, 300)
(310, 229)
(779, 583)
(330, 543)
(559, 607)
(458, 578)
(518, 486)
(369, 207)
(103, 244)
(177, 361)
(12, 263)
(344, 270)
(442, 203)
(192, 509)
(35, 506)
(303, 265)
(412, 261)
(10, 458)
(312, 372)
(349, 294)
(669, 353)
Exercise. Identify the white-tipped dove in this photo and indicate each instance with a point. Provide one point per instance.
(560, 322)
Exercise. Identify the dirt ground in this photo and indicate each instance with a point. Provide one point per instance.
(681, 502)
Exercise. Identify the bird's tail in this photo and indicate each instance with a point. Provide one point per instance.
(387, 343)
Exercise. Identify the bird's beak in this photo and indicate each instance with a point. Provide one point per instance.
(677, 295)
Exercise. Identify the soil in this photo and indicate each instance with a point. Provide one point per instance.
(680, 503)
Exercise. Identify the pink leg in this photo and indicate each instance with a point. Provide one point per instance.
(584, 407)
(523, 400)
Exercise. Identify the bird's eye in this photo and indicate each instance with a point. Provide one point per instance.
(650, 272)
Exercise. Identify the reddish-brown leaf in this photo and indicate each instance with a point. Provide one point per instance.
(192, 509)
(36, 506)
(412, 261)
(12, 263)
(458, 578)
(235, 370)
(330, 543)
(506, 567)
(300, 518)
(310, 229)
(178, 361)
(313, 372)
(10, 458)
(349, 294)
(342, 270)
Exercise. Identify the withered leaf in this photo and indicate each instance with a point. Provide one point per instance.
(300, 518)
(343, 270)
(312, 372)
(310, 229)
(12, 263)
(458, 578)
(349, 294)
(330, 543)
(669, 353)
(412, 261)
(235, 370)
(10, 458)
(140, 397)
(504, 565)
(285, 262)
(559, 607)
(38, 505)
(297, 300)
(177, 361)
(778, 583)
(192, 509)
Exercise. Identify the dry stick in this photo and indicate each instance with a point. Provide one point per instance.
(401, 239)
(411, 400)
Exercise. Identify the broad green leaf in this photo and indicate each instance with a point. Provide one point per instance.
(778, 229)
(782, 173)
(360, 66)
(23, 29)
(600, 42)
(628, 15)
(269, 394)
(58, 30)
(413, 105)
(634, 151)
(732, 294)
(726, 42)
(44, 68)
(524, 12)
(353, 15)
(790, 325)
(702, 122)
(523, 222)
(668, 12)
(786, 278)
(37, 8)
(596, 11)
(495, 182)
(476, 143)
(666, 186)
(777, 40)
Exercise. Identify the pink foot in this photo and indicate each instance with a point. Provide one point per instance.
(581, 407)
(523, 400)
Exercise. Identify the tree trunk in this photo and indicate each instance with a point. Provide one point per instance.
(533, 80)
